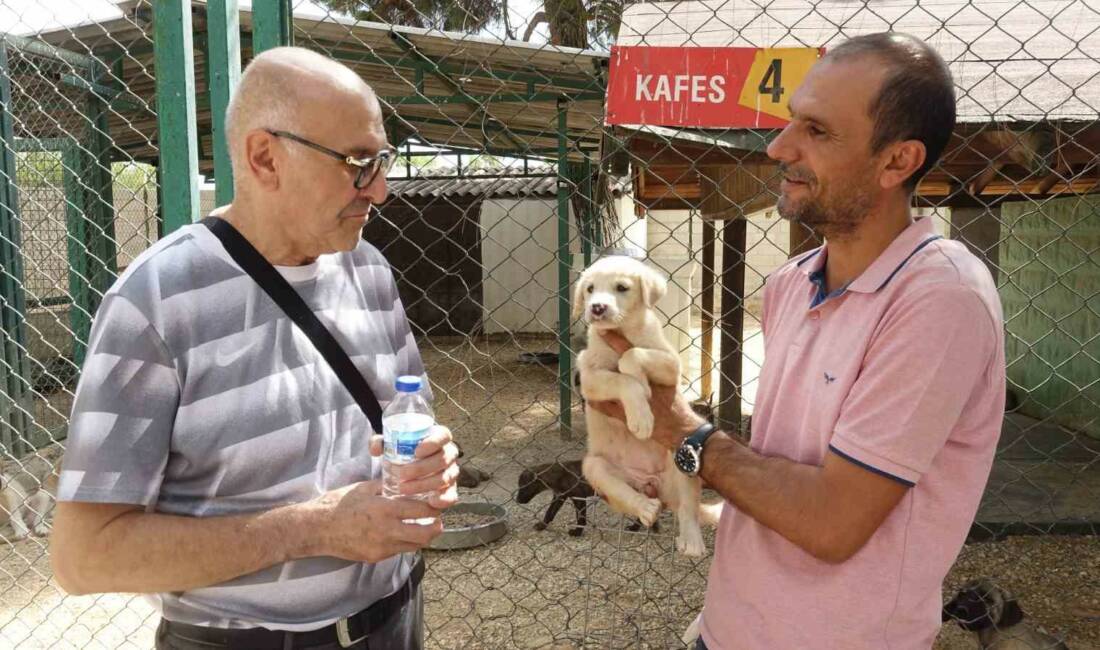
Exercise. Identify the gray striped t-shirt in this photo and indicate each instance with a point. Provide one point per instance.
(199, 397)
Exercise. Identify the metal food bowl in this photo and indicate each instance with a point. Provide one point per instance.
(471, 536)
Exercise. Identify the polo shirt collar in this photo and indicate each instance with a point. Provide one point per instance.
(918, 235)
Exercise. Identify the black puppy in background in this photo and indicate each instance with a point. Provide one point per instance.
(566, 482)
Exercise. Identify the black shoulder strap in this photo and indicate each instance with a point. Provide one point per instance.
(284, 295)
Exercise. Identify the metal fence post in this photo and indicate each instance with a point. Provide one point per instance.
(15, 370)
(271, 25)
(175, 71)
(100, 198)
(76, 227)
(565, 383)
(224, 56)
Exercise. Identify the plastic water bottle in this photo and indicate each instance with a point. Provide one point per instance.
(405, 422)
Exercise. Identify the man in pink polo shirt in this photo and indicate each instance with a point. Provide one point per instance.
(881, 398)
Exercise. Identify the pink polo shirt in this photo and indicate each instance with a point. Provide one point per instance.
(904, 374)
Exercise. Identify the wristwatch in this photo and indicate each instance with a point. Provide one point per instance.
(689, 457)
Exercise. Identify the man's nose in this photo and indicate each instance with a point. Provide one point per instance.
(376, 191)
(781, 148)
(598, 308)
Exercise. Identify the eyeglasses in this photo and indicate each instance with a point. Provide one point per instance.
(368, 168)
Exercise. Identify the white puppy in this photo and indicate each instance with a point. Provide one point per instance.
(618, 293)
(28, 488)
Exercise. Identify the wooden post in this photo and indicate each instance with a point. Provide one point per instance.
(732, 192)
(802, 239)
(733, 325)
(706, 390)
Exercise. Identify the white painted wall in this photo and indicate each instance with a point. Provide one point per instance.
(519, 241)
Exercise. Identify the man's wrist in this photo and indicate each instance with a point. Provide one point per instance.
(720, 445)
(303, 528)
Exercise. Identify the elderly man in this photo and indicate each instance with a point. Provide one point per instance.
(214, 458)
(881, 397)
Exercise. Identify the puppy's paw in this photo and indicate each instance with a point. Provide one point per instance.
(647, 511)
(639, 420)
(630, 366)
(636, 525)
(576, 531)
(690, 543)
(42, 529)
(540, 526)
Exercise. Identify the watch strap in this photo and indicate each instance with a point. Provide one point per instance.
(698, 438)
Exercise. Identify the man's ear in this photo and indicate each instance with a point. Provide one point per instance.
(902, 160)
(654, 286)
(259, 153)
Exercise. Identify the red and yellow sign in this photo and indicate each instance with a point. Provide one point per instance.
(716, 87)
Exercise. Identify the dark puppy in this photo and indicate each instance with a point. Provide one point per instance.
(992, 613)
(566, 482)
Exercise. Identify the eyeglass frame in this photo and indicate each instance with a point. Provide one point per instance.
(385, 158)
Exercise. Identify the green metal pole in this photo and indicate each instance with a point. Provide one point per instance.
(589, 218)
(175, 70)
(565, 374)
(15, 370)
(101, 203)
(271, 22)
(82, 309)
(223, 37)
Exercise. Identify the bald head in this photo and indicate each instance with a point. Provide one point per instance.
(291, 88)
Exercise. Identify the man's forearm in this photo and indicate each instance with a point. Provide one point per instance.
(143, 552)
(785, 496)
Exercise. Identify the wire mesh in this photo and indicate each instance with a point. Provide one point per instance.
(510, 182)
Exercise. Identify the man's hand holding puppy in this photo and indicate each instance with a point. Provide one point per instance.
(673, 417)
(829, 511)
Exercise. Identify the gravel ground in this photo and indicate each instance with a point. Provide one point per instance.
(610, 588)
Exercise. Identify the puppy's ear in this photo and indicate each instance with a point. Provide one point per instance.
(1010, 615)
(950, 610)
(654, 285)
(578, 296)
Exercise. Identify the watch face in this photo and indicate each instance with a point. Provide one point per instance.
(687, 459)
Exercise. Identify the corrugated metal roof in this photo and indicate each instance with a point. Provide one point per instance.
(482, 67)
(1012, 61)
(517, 187)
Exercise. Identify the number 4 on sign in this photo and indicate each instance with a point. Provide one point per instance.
(772, 83)
(775, 74)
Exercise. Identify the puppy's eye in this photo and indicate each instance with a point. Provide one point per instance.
(622, 288)
(589, 289)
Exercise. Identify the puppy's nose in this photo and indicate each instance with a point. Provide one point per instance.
(598, 308)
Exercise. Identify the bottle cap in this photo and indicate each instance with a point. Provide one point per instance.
(407, 383)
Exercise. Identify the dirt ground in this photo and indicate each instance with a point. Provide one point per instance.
(610, 588)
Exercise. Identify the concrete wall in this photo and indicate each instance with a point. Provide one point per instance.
(518, 251)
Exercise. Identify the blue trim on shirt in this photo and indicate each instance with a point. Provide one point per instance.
(906, 260)
(807, 257)
(870, 468)
(820, 296)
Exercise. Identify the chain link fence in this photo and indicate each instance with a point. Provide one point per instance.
(510, 182)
